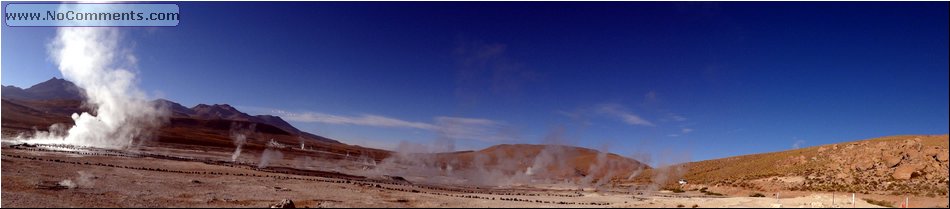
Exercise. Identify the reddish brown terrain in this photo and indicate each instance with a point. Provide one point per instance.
(890, 165)
(886, 169)
(187, 162)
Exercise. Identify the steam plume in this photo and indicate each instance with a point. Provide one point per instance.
(271, 153)
(239, 136)
(93, 59)
(268, 156)
(85, 180)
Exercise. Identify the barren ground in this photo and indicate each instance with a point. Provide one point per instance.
(36, 177)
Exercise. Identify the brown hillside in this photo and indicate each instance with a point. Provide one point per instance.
(913, 164)
(562, 161)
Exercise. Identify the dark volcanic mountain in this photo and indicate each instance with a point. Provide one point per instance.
(227, 112)
(221, 111)
(53, 101)
(176, 109)
(52, 89)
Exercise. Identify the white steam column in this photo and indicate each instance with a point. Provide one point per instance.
(94, 60)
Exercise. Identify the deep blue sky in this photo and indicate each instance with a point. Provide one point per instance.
(678, 80)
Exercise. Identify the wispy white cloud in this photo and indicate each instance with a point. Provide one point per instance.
(677, 118)
(687, 130)
(363, 120)
(618, 111)
(474, 129)
(466, 121)
(446, 127)
(683, 132)
(371, 143)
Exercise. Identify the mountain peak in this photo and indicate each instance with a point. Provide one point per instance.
(221, 111)
(176, 109)
(55, 79)
(277, 121)
(53, 82)
(61, 89)
(215, 106)
(54, 88)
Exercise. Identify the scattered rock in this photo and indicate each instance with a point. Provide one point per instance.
(932, 152)
(904, 172)
(286, 203)
(942, 157)
(195, 181)
(863, 166)
(892, 160)
(842, 175)
(913, 154)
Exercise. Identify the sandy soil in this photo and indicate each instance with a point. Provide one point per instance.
(40, 177)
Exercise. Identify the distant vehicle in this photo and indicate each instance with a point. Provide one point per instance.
(682, 182)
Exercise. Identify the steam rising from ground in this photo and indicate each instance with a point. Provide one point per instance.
(271, 153)
(239, 135)
(603, 168)
(644, 159)
(85, 180)
(554, 163)
(670, 168)
(95, 61)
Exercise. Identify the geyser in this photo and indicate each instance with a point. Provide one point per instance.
(95, 61)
